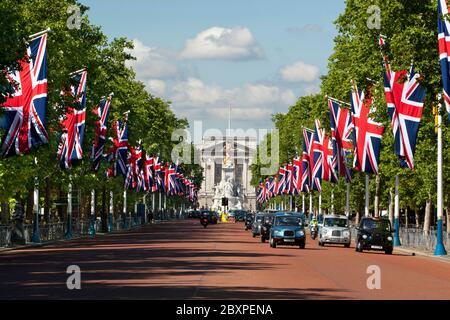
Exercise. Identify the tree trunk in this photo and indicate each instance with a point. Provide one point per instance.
(104, 215)
(377, 196)
(391, 206)
(5, 213)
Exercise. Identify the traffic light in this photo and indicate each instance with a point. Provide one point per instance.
(225, 202)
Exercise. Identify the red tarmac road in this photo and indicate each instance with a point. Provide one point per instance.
(181, 260)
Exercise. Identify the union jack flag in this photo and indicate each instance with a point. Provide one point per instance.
(159, 176)
(24, 117)
(297, 176)
(444, 49)
(307, 160)
(341, 134)
(70, 148)
(323, 159)
(272, 185)
(288, 186)
(281, 181)
(171, 183)
(149, 172)
(260, 195)
(120, 144)
(366, 133)
(139, 170)
(102, 111)
(404, 97)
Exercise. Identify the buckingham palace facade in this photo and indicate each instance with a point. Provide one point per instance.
(213, 153)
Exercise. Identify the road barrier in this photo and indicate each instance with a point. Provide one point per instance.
(80, 228)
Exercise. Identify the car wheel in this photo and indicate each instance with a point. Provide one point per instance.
(347, 245)
(388, 251)
(254, 235)
(302, 246)
(263, 240)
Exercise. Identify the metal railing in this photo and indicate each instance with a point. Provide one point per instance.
(80, 228)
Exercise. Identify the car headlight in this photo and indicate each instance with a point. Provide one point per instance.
(277, 233)
(346, 234)
(390, 239)
(364, 236)
(300, 233)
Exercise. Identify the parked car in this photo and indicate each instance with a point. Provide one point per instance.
(288, 229)
(334, 230)
(249, 221)
(257, 224)
(266, 226)
(374, 234)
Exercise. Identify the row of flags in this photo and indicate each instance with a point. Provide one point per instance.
(354, 131)
(24, 125)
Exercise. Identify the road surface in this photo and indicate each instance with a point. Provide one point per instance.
(181, 260)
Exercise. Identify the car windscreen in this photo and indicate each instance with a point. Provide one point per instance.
(381, 225)
(288, 221)
(335, 222)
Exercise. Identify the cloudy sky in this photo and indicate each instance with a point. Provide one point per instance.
(203, 55)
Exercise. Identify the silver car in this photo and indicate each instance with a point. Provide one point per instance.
(334, 230)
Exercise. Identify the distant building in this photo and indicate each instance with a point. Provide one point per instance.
(213, 155)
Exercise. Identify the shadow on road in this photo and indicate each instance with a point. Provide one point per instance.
(140, 265)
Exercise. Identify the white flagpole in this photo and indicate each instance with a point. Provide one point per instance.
(310, 205)
(320, 203)
(303, 203)
(440, 249)
(347, 201)
(396, 213)
(332, 200)
(366, 207)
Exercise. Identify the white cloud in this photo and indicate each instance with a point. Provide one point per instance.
(194, 92)
(152, 62)
(257, 101)
(156, 87)
(221, 43)
(300, 72)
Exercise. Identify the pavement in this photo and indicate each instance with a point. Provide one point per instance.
(182, 260)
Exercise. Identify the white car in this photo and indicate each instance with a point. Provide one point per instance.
(335, 230)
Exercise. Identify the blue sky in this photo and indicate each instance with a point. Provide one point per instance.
(257, 55)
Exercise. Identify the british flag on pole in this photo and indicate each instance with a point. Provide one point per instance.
(102, 112)
(323, 159)
(366, 133)
(25, 110)
(307, 159)
(341, 130)
(120, 144)
(444, 49)
(73, 124)
(405, 98)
